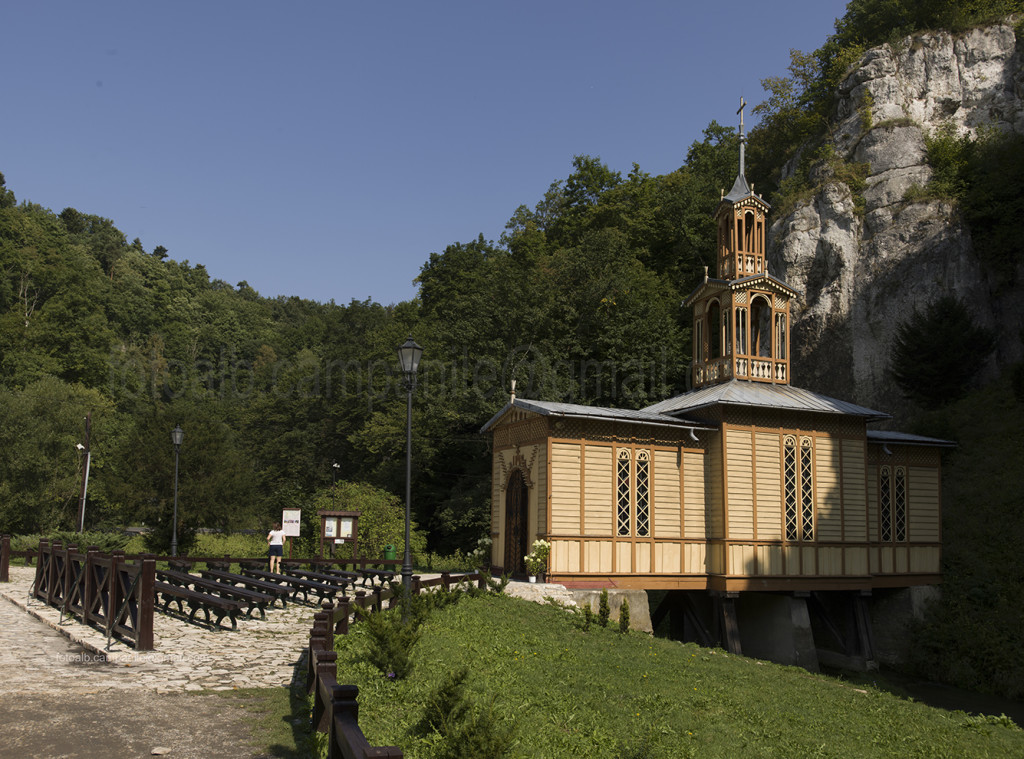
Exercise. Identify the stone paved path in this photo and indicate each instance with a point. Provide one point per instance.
(187, 657)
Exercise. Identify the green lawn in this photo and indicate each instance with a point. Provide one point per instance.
(569, 693)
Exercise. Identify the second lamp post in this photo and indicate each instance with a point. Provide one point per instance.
(409, 354)
(177, 437)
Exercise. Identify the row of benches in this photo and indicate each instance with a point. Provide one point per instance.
(222, 594)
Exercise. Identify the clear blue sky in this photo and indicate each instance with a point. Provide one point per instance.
(325, 149)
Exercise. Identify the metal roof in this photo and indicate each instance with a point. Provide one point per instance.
(905, 438)
(576, 411)
(764, 279)
(762, 395)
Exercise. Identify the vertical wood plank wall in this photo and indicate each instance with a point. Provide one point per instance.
(720, 509)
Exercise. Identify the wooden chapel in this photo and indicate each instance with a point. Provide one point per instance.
(745, 487)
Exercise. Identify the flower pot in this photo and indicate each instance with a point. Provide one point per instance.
(533, 578)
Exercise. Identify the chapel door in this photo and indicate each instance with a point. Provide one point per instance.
(516, 539)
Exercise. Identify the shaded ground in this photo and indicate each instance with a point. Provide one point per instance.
(125, 724)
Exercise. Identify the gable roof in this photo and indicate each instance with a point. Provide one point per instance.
(762, 395)
(575, 411)
(765, 280)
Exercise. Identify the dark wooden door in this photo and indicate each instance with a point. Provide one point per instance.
(516, 539)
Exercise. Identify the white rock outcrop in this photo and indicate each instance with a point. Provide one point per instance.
(861, 274)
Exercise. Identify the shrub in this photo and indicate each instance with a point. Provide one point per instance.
(624, 616)
(391, 641)
(603, 611)
(465, 730)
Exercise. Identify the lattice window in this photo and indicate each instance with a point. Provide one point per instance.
(806, 490)
(643, 494)
(885, 503)
(623, 494)
(899, 504)
(789, 474)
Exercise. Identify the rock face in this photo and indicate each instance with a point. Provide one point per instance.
(861, 274)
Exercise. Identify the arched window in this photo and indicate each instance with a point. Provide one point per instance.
(741, 331)
(780, 335)
(623, 497)
(698, 338)
(761, 327)
(633, 493)
(714, 331)
(748, 230)
(798, 487)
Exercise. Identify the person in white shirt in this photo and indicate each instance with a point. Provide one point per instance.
(275, 539)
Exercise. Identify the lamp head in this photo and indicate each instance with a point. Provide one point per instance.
(177, 435)
(79, 446)
(409, 354)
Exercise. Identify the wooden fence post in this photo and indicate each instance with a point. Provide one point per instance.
(5, 558)
(145, 599)
(341, 614)
(326, 664)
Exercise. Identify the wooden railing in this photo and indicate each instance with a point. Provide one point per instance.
(6, 554)
(335, 706)
(103, 590)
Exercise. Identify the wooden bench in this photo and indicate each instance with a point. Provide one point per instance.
(323, 591)
(220, 607)
(381, 575)
(328, 578)
(253, 600)
(277, 592)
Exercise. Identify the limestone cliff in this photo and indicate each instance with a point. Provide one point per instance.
(862, 271)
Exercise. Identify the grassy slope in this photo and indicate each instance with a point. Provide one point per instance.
(601, 694)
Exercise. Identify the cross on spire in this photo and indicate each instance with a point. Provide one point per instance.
(743, 139)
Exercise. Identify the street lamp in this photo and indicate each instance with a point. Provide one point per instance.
(409, 354)
(84, 449)
(334, 482)
(177, 437)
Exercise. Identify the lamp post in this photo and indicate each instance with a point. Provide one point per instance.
(177, 437)
(409, 354)
(334, 482)
(84, 449)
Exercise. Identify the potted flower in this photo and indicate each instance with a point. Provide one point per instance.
(534, 566)
(537, 559)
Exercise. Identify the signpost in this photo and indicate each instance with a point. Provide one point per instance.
(291, 524)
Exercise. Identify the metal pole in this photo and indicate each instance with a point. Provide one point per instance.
(407, 559)
(85, 474)
(174, 524)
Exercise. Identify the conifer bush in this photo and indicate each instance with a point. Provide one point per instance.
(603, 611)
(624, 616)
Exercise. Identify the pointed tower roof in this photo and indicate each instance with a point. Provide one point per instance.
(740, 188)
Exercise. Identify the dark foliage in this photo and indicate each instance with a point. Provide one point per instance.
(937, 351)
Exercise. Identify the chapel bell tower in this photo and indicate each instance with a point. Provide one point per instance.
(741, 317)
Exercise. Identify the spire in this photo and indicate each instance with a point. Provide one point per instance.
(740, 188)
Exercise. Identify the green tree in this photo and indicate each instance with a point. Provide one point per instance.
(937, 351)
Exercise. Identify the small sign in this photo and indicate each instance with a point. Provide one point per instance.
(345, 526)
(291, 522)
(330, 527)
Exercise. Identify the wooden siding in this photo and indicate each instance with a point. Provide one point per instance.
(923, 504)
(665, 495)
(565, 491)
(768, 480)
(872, 488)
(597, 556)
(855, 506)
(740, 501)
(565, 556)
(668, 558)
(539, 493)
(623, 551)
(497, 510)
(713, 492)
(599, 490)
(694, 525)
(829, 502)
